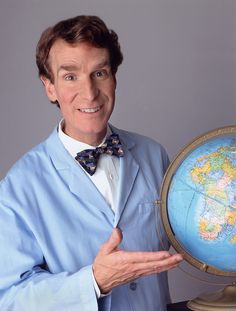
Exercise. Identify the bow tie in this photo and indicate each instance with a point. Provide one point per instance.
(88, 158)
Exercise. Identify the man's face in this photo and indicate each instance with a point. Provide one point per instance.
(84, 87)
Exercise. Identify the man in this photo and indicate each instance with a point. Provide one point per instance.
(77, 233)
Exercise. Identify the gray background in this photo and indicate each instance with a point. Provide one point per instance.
(177, 80)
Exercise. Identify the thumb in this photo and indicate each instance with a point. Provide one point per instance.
(113, 241)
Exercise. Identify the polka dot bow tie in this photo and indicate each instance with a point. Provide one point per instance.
(88, 158)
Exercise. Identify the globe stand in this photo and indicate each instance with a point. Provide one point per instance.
(222, 300)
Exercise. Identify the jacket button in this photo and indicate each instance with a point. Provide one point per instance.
(133, 285)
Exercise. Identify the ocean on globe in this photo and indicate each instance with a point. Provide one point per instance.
(199, 201)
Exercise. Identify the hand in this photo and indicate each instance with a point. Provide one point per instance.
(113, 266)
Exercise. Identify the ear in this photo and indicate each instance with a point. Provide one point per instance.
(49, 88)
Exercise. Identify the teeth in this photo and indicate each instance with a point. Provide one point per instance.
(89, 109)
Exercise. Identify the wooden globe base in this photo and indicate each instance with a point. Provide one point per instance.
(223, 300)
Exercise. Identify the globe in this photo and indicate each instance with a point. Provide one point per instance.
(198, 204)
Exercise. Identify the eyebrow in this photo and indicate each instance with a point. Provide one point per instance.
(76, 68)
(103, 64)
(67, 68)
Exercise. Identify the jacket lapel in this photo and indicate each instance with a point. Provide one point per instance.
(81, 186)
(78, 181)
(128, 172)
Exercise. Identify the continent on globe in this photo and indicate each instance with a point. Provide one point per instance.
(215, 173)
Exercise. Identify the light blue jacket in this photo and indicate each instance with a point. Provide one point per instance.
(53, 221)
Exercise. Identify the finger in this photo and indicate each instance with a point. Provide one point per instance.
(142, 257)
(156, 270)
(147, 269)
(113, 241)
(158, 265)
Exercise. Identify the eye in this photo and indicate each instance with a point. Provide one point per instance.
(70, 77)
(101, 74)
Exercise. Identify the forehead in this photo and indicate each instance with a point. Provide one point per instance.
(78, 53)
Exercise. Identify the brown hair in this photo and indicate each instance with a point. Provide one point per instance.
(78, 29)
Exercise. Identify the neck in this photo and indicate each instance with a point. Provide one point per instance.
(93, 139)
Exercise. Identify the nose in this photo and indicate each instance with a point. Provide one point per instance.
(88, 89)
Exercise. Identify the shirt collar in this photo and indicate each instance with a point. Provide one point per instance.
(74, 146)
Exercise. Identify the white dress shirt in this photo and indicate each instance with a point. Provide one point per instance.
(106, 176)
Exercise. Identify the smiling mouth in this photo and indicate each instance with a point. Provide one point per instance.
(90, 110)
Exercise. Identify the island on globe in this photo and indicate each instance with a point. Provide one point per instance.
(198, 202)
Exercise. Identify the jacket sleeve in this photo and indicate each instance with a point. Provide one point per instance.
(25, 281)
